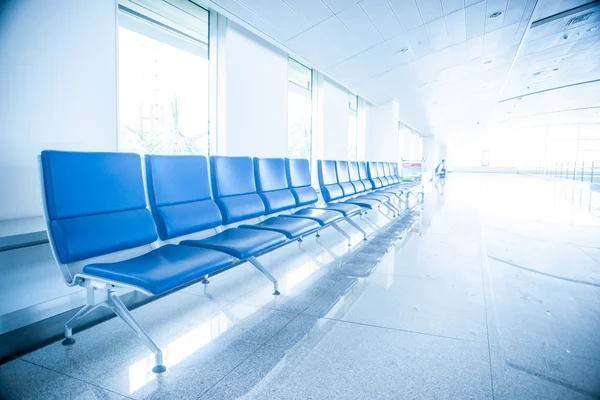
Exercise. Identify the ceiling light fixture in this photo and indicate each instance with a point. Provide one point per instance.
(402, 50)
(594, 29)
(495, 15)
(555, 69)
(488, 62)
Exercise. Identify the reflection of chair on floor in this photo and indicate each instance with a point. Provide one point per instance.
(222, 308)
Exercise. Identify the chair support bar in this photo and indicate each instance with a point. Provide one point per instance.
(265, 272)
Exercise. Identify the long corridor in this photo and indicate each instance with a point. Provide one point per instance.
(492, 290)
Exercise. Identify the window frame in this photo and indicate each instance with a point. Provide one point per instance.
(153, 29)
(306, 92)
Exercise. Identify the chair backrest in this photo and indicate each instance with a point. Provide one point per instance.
(381, 174)
(374, 174)
(95, 203)
(355, 176)
(386, 171)
(394, 172)
(234, 188)
(298, 175)
(328, 180)
(180, 195)
(364, 176)
(272, 184)
(343, 177)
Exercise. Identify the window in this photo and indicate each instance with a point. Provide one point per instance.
(485, 158)
(299, 110)
(352, 126)
(163, 77)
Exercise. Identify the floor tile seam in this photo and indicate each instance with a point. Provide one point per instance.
(588, 255)
(484, 265)
(74, 377)
(541, 239)
(424, 278)
(398, 329)
(260, 346)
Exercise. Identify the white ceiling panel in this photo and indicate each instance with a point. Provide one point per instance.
(460, 53)
(381, 14)
(339, 5)
(312, 46)
(279, 14)
(357, 21)
(493, 6)
(514, 11)
(455, 66)
(456, 27)
(475, 47)
(407, 13)
(430, 9)
(450, 6)
(436, 30)
(365, 65)
(419, 41)
(398, 43)
(314, 11)
(337, 33)
(475, 20)
(252, 18)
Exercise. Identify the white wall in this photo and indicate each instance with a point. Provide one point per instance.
(334, 114)
(382, 143)
(58, 79)
(256, 96)
(431, 152)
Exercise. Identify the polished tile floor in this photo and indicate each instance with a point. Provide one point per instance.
(491, 291)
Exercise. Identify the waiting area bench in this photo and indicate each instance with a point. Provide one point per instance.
(203, 217)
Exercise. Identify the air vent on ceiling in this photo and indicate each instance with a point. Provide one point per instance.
(579, 19)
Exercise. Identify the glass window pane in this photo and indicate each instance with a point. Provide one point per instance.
(163, 93)
(299, 124)
(352, 135)
(181, 15)
(299, 74)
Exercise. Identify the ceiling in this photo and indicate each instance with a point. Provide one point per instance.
(453, 67)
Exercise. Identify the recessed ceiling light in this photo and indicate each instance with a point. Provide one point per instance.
(495, 15)
(594, 29)
(402, 50)
(488, 62)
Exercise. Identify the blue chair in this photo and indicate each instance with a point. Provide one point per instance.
(392, 172)
(271, 179)
(332, 191)
(298, 174)
(101, 234)
(343, 174)
(180, 196)
(378, 182)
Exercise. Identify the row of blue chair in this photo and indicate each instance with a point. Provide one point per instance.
(368, 184)
(104, 237)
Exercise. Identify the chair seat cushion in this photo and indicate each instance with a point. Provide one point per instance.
(240, 242)
(323, 217)
(364, 202)
(162, 269)
(381, 196)
(290, 227)
(345, 208)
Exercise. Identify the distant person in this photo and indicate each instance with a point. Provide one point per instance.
(440, 170)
